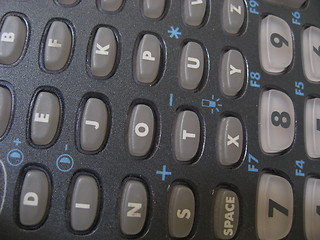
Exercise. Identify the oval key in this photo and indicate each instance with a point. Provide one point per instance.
(5, 109)
(110, 5)
(153, 8)
(194, 12)
(234, 13)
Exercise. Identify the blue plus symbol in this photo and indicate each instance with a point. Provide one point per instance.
(17, 142)
(164, 172)
(174, 32)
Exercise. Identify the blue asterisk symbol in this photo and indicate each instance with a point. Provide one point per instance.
(174, 32)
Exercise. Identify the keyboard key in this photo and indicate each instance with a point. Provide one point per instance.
(134, 207)
(153, 8)
(277, 121)
(194, 12)
(148, 59)
(312, 127)
(276, 44)
(274, 207)
(231, 141)
(94, 124)
(68, 2)
(13, 37)
(234, 14)
(233, 71)
(311, 53)
(45, 118)
(5, 109)
(141, 130)
(181, 211)
(103, 53)
(34, 198)
(84, 203)
(191, 66)
(110, 5)
(226, 214)
(312, 209)
(186, 136)
(57, 47)
(288, 3)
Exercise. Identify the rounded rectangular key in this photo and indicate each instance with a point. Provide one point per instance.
(312, 127)
(103, 53)
(276, 44)
(58, 46)
(94, 124)
(289, 3)
(13, 37)
(110, 5)
(153, 8)
(181, 211)
(312, 209)
(34, 198)
(194, 12)
(133, 208)
(68, 2)
(274, 210)
(191, 66)
(311, 53)
(276, 121)
(84, 203)
(233, 16)
(5, 109)
(141, 130)
(45, 118)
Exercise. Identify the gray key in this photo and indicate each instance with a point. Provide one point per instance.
(311, 53)
(226, 214)
(45, 118)
(186, 136)
(111, 5)
(274, 213)
(232, 73)
(68, 2)
(148, 59)
(141, 130)
(312, 127)
(230, 146)
(276, 121)
(181, 211)
(194, 12)
(12, 39)
(103, 52)
(94, 124)
(289, 3)
(57, 47)
(233, 16)
(3, 185)
(34, 198)
(312, 209)
(84, 203)
(191, 66)
(5, 109)
(276, 44)
(134, 206)
(153, 8)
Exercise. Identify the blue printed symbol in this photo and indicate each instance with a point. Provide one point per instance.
(171, 100)
(15, 157)
(164, 172)
(174, 32)
(212, 103)
(64, 163)
(17, 142)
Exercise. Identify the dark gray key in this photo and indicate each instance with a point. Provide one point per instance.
(186, 136)
(153, 8)
(111, 5)
(191, 66)
(94, 124)
(232, 73)
(148, 59)
(233, 16)
(226, 214)
(69, 2)
(194, 12)
(12, 39)
(34, 198)
(84, 203)
(134, 206)
(3, 185)
(181, 211)
(230, 145)
(141, 130)
(288, 3)
(57, 47)
(103, 52)
(5, 109)
(45, 118)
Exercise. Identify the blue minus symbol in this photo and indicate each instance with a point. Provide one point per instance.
(171, 99)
